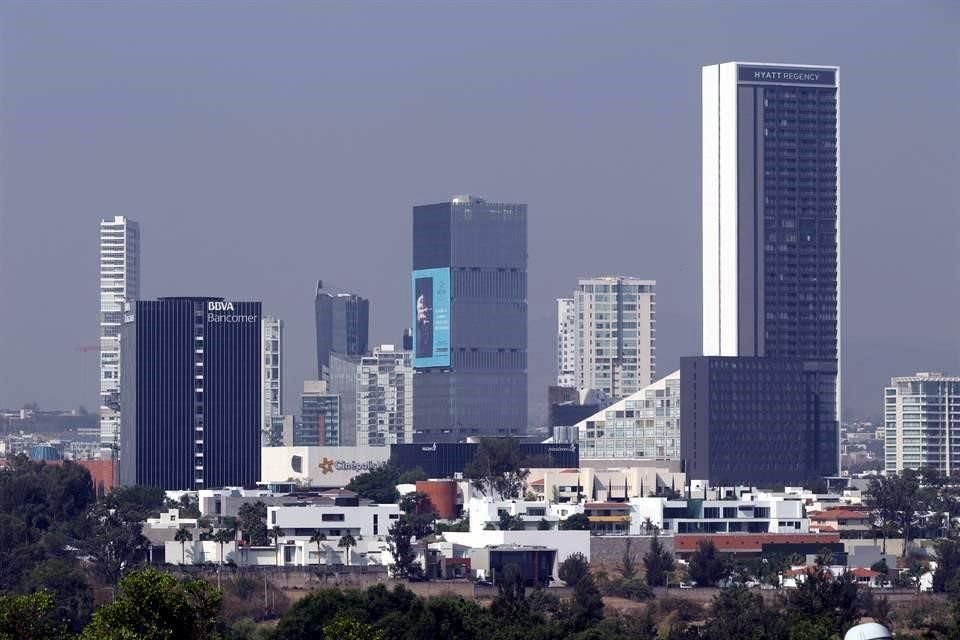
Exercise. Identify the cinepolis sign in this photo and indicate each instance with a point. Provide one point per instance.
(328, 465)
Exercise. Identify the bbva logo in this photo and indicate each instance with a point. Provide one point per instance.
(219, 305)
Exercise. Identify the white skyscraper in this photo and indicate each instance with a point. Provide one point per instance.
(566, 342)
(922, 421)
(271, 375)
(119, 285)
(615, 334)
(385, 397)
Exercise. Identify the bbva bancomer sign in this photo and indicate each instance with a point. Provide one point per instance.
(223, 311)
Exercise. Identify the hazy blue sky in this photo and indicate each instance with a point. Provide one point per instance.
(265, 145)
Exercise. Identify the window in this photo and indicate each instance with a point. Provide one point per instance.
(332, 517)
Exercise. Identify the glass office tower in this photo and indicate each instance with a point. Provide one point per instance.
(342, 320)
(191, 394)
(771, 227)
(469, 291)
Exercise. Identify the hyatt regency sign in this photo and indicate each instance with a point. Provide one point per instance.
(786, 75)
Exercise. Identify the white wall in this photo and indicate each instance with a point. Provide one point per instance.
(565, 542)
(354, 518)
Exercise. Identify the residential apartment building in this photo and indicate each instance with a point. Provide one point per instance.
(385, 397)
(272, 376)
(922, 420)
(566, 342)
(615, 334)
(319, 416)
(645, 424)
(119, 286)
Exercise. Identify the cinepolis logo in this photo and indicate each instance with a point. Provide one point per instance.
(326, 466)
(219, 305)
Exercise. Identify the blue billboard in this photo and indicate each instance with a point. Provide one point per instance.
(431, 318)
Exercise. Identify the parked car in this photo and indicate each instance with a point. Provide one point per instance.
(686, 585)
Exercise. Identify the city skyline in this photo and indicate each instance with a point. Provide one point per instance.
(188, 145)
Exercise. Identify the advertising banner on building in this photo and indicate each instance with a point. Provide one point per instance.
(431, 318)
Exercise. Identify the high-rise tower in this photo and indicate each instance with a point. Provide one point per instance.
(342, 325)
(119, 286)
(470, 317)
(771, 256)
(615, 335)
(192, 393)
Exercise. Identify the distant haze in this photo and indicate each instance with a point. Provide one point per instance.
(263, 146)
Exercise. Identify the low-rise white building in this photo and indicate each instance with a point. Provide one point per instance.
(758, 512)
(566, 543)
(486, 512)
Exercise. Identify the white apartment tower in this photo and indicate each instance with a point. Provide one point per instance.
(922, 421)
(615, 334)
(271, 375)
(119, 286)
(566, 342)
(385, 397)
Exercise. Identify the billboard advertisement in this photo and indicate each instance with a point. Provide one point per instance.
(431, 318)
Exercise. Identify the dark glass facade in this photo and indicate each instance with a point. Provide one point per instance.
(444, 459)
(749, 420)
(342, 321)
(483, 392)
(792, 143)
(191, 408)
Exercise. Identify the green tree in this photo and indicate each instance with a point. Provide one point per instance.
(948, 565)
(67, 583)
(344, 628)
(222, 537)
(738, 613)
(151, 605)
(658, 563)
(134, 503)
(576, 522)
(573, 569)
(400, 541)
(116, 544)
(252, 521)
(183, 536)
(318, 537)
(30, 617)
(543, 525)
(511, 604)
(829, 602)
(707, 567)
(347, 542)
(586, 609)
(629, 563)
(379, 484)
(498, 469)
(276, 533)
(420, 512)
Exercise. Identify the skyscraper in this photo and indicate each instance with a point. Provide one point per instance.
(470, 318)
(342, 324)
(385, 397)
(922, 422)
(271, 375)
(191, 393)
(119, 285)
(566, 342)
(770, 229)
(615, 334)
